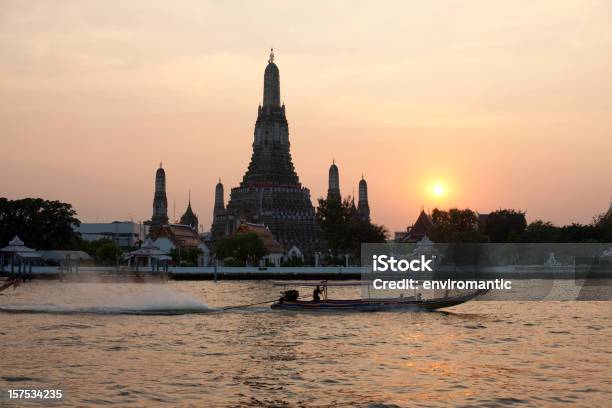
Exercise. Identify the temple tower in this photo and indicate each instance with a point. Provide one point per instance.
(333, 187)
(160, 202)
(270, 192)
(190, 218)
(362, 206)
(218, 228)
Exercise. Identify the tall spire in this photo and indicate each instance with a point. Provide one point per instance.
(189, 217)
(219, 197)
(218, 223)
(270, 192)
(333, 187)
(271, 83)
(363, 205)
(160, 202)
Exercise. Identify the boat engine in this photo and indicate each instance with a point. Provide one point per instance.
(290, 296)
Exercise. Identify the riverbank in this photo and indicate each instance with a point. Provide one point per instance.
(88, 273)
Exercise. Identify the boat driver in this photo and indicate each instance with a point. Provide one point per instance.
(316, 294)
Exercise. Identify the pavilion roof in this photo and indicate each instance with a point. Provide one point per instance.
(17, 246)
(147, 249)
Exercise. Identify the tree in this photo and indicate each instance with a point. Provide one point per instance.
(333, 220)
(504, 225)
(245, 247)
(185, 256)
(577, 233)
(603, 226)
(108, 253)
(455, 225)
(344, 229)
(540, 231)
(91, 247)
(41, 224)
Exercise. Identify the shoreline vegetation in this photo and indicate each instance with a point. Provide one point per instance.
(48, 225)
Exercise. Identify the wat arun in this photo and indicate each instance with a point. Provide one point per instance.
(270, 192)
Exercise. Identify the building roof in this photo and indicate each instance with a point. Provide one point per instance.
(180, 235)
(16, 246)
(147, 250)
(189, 218)
(61, 255)
(420, 228)
(266, 236)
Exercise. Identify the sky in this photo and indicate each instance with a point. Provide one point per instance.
(504, 104)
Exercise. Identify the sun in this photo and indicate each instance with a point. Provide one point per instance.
(438, 190)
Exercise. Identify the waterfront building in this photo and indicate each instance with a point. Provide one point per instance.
(148, 255)
(126, 234)
(270, 192)
(160, 201)
(178, 236)
(59, 257)
(363, 207)
(18, 256)
(333, 184)
(276, 251)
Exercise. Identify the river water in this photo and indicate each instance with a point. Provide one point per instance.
(168, 344)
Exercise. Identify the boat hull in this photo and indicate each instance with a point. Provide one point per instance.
(365, 305)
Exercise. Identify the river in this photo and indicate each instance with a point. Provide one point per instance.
(169, 344)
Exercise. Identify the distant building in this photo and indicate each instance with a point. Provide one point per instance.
(18, 257)
(482, 221)
(219, 224)
(58, 257)
(419, 230)
(276, 251)
(126, 234)
(177, 236)
(270, 192)
(160, 201)
(333, 184)
(189, 218)
(363, 207)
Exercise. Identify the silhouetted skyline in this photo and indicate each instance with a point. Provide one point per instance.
(505, 104)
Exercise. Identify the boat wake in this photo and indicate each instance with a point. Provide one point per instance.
(105, 299)
(169, 310)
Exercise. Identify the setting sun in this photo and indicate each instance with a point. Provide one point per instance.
(438, 190)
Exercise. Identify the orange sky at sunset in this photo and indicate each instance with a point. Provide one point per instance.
(505, 104)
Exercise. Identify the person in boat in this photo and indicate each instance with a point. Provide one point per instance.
(316, 294)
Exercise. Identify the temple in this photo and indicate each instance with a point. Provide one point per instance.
(189, 217)
(160, 202)
(270, 192)
(333, 188)
(219, 223)
(418, 231)
(363, 207)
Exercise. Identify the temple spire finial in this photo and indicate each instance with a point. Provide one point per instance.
(271, 60)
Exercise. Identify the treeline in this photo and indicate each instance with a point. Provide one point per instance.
(41, 224)
(48, 225)
(508, 225)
